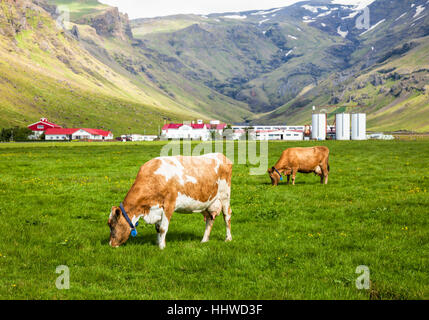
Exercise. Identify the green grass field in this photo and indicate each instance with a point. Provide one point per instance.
(289, 242)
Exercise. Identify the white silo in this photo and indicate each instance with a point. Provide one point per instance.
(358, 126)
(318, 130)
(342, 121)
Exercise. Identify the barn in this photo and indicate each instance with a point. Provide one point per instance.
(41, 126)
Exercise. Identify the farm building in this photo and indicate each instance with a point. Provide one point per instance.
(138, 137)
(292, 133)
(186, 131)
(40, 127)
(77, 134)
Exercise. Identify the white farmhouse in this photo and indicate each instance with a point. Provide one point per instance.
(58, 134)
(186, 131)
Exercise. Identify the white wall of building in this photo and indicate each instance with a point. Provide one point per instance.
(56, 137)
(187, 132)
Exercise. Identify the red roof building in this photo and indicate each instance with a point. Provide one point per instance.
(42, 125)
(77, 134)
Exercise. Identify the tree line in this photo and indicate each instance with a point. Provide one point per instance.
(15, 134)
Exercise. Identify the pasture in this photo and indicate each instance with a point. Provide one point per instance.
(289, 242)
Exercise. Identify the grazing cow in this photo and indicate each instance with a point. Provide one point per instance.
(175, 184)
(304, 160)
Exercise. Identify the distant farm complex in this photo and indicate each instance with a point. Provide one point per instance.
(345, 127)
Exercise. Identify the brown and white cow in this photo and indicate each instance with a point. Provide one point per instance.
(175, 184)
(304, 160)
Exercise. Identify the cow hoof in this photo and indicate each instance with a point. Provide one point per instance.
(204, 240)
(162, 246)
(228, 239)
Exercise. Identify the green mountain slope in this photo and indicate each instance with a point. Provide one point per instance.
(107, 35)
(281, 62)
(388, 78)
(45, 72)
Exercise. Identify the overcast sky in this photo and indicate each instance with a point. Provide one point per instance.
(156, 8)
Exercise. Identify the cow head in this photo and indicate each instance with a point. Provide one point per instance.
(119, 228)
(274, 176)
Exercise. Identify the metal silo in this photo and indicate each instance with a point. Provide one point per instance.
(358, 126)
(342, 122)
(318, 130)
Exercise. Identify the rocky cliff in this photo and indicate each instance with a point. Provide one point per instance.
(109, 23)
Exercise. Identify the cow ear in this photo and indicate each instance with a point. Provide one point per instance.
(117, 212)
(270, 170)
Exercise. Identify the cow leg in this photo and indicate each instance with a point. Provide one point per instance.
(164, 223)
(325, 174)
(209, 225)
(288, 178)
(209, 216)
(294, 171)
(227, 217)
(163, 229)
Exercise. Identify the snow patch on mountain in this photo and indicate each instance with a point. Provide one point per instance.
(324, 14)
(373, 27)
(235, 16)
(359, 4)
(402, 15)
(419, 10)
(261, 13)
(314, 9)
(342, 33)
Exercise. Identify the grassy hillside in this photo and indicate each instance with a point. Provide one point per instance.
(79, 8)
(148, 68)
(45, 72)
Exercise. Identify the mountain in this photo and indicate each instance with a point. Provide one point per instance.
(98, 68)
(282, 61)
(106, 34)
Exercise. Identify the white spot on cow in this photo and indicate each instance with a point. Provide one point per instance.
(188, 204)
(318, 170)
(170, 167)
(155, 215)
(190, 179)
(224, 190)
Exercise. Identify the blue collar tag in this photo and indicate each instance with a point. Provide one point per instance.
(281, 177)
(133, 228)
